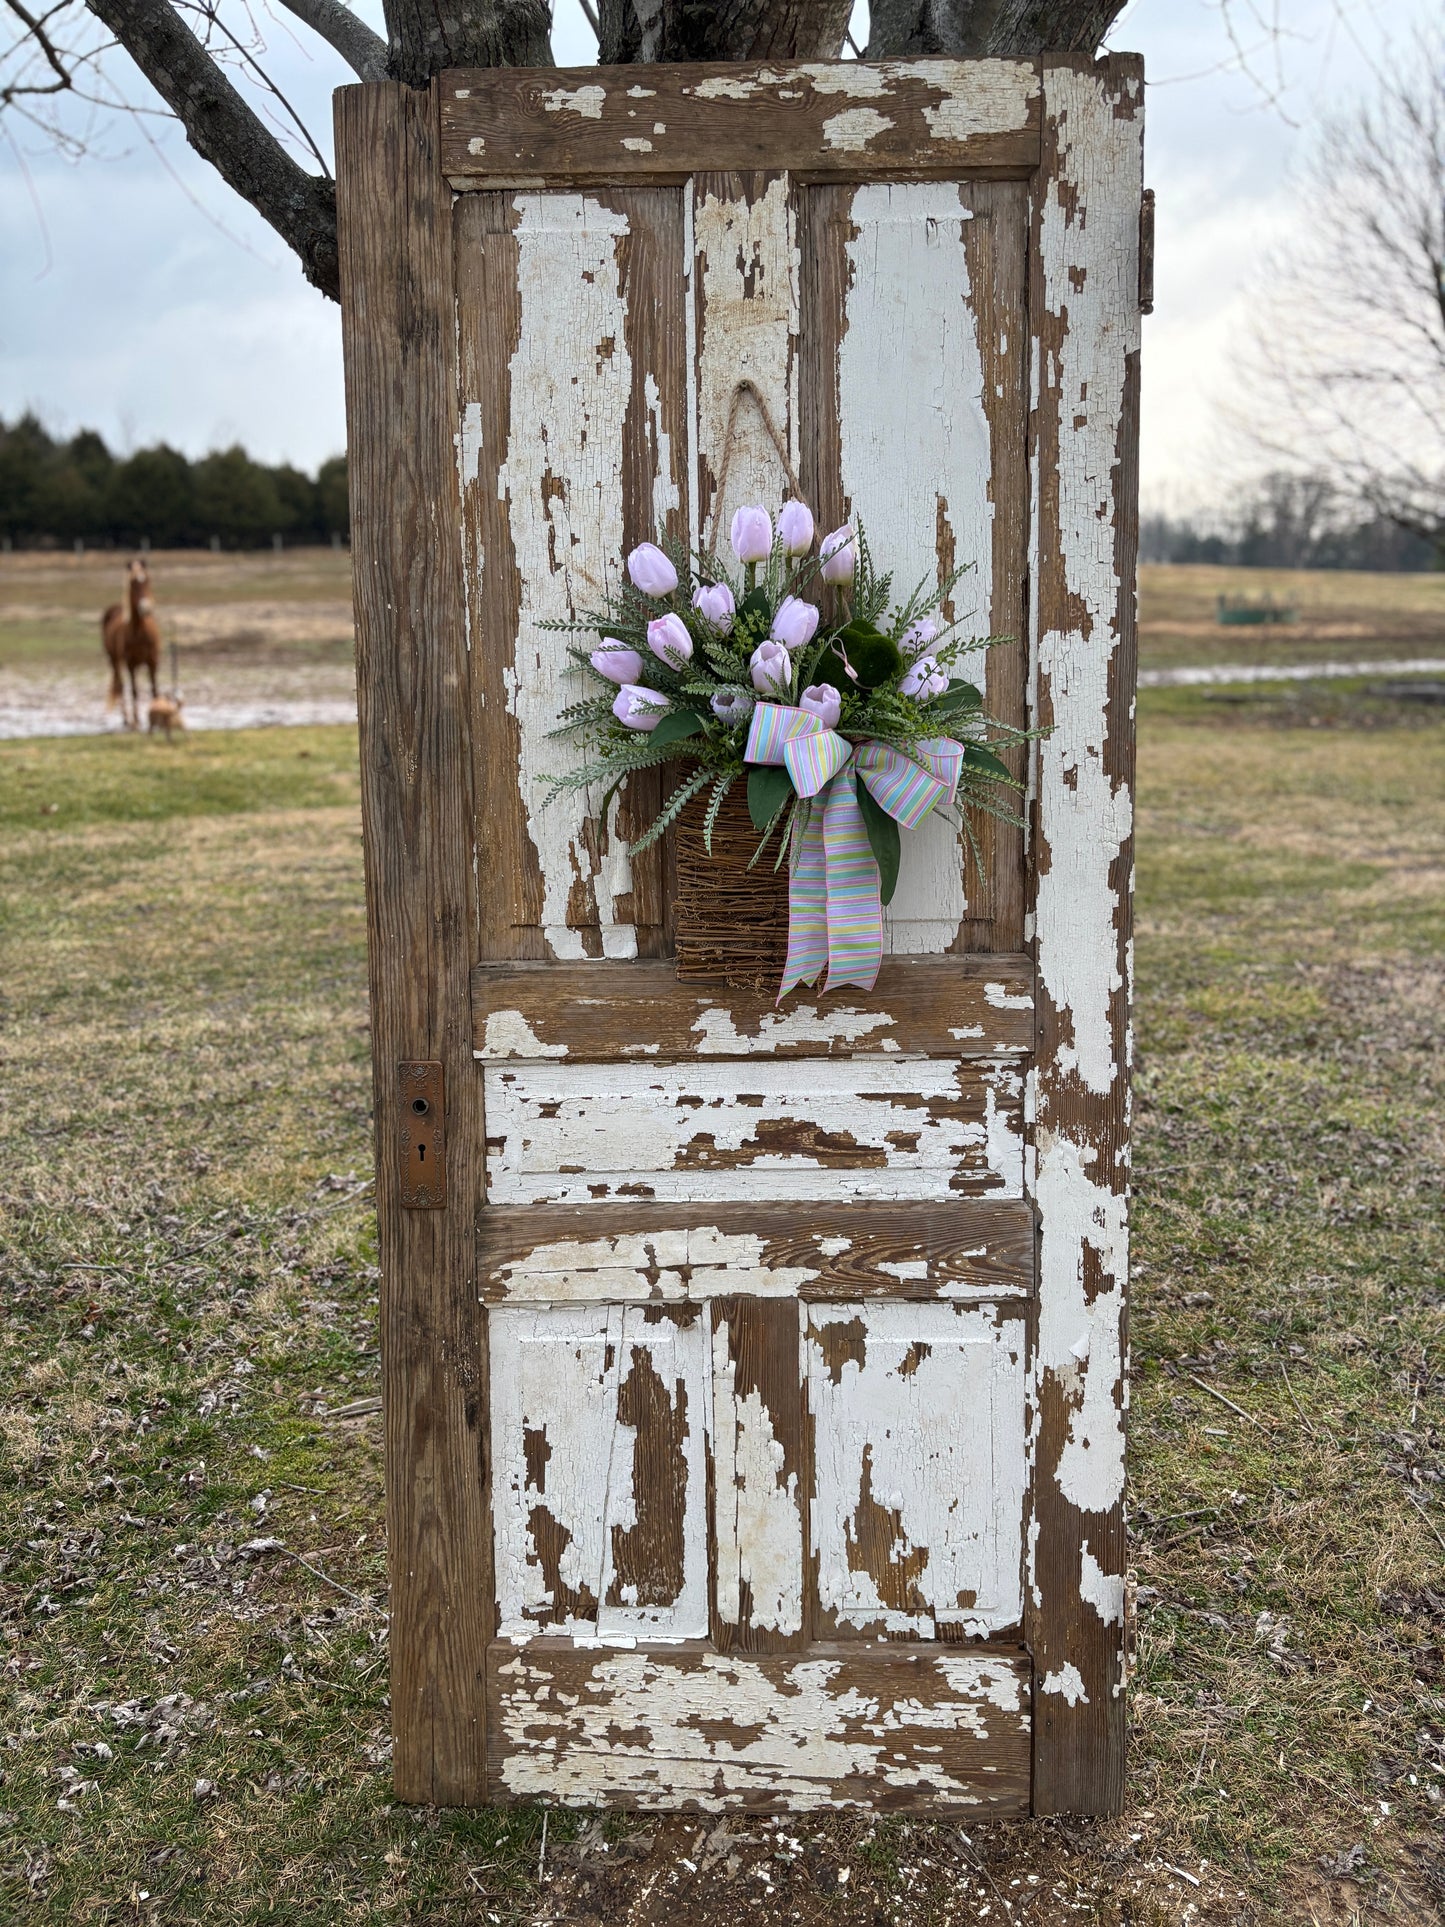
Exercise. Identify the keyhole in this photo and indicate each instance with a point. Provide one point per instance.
(421, 1154)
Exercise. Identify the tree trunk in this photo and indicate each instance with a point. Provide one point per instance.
(733, 30)
(428, 36)
(968, 28)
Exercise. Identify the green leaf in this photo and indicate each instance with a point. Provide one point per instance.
(769, 787)
(883, 840)
(756, 607)
(958, 695)
(676, 725)
(975, 756)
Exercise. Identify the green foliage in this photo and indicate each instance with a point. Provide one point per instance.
(78, 491)
(883, 840)
(769, 788)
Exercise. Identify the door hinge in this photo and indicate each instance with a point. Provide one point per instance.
(422, 1136)
(1146, 252)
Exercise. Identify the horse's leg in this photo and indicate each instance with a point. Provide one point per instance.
(134, 698)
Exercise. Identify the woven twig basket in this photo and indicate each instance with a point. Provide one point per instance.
(730, 922)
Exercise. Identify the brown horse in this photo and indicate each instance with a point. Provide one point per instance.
(132, 640)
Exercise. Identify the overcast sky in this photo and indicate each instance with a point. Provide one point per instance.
(138, 296)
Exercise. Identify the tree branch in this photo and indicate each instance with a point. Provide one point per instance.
(969, 28)
(363, 51)
(224, 131)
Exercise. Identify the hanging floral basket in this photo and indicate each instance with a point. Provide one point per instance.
(730, 921)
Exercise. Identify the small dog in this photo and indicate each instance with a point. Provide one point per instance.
(165, 713)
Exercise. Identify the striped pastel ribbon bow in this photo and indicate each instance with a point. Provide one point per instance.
(835, 910)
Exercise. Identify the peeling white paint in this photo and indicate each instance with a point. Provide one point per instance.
(562, 483)
(724, 1726)
(909, 310)
(1082, 1222)
(746, 286)
(1002, 998)
(637, 144)
(509, 1034)
(1068, 1682)
(759, 1525)
(985, 96)
(689, 1262)
(928, 1424)
(719, 1036)
(851, 131)
(566, 1133)
(731, 87)
(586, 101)
(1104, 1591)
(469, 444)
(476, 145)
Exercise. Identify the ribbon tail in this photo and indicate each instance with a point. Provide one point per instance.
(854, 905)
(807, 909)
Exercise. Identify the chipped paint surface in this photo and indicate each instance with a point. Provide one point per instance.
(693, 1262)
(833, 1128)
(586, 101)
(909, 309)
(709, 1728)
(563, 491)
(851, 131)
(599, 1419)
(1068, 1683)
(718, 1034)
(757, 1508)
(746, 286)
(919, 1466)
(509, 1034)
(1102, 1590)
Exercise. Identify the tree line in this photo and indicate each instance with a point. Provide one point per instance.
(1290, 521)
(71, 491)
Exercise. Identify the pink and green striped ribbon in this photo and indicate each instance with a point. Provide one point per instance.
(835, 911)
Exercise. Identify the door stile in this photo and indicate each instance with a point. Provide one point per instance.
(398, 327)
(1085, 343)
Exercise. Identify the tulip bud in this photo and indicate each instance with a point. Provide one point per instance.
(916, 680)
(715, 605)
(917, 636)
(795, 526)
(615, 661)
(639, 708)
(651, 571)
(731, 706)
(839, 557)
(772, 668)
(669, 641)
(752, 535)
(796, 622)
(824, 702)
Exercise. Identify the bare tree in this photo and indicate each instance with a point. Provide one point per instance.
(189, 50)
(1349, 371)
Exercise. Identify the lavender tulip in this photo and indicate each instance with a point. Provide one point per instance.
(616, 662)
(669, 641)
(752, 535)
(935, 686)
(731, 706)
(651, 571)
(917, 636)
(716, 606)
(796, 622)
(839, 556)
(639, 708)
(772, 668)
(918, 676)
(823, 701)
(795, 526)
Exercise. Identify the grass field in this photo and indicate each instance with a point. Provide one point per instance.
(191, 1557)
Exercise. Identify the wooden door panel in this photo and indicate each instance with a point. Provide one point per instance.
(836, 1726)
(831, 1129)
(919, 1468)
(972, 1248)
(599, 1421)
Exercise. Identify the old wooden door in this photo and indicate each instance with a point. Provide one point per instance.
(754, 1388)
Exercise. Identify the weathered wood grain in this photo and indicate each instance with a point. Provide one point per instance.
(558, 474)
(745, 337)
(412, 675)
(613, 1013)
(833, 1129)
(918, 1418)
(855, 119)
(569, 1253)
(599, 1419)
(1085, 321)
(888, 1727)
(759, 1475)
